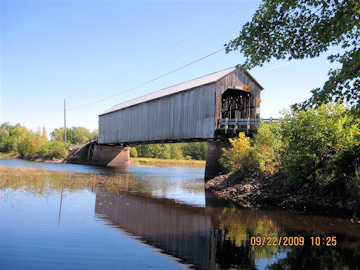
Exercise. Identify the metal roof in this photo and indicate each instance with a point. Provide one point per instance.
(211, 78)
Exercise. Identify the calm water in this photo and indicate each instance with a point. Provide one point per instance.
(152, 218)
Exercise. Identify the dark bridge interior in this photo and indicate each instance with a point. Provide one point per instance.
(237, 104)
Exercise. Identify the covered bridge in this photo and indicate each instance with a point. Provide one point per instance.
(194, 110)
(210, 108)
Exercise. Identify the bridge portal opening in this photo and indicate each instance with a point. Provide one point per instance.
(237, 104)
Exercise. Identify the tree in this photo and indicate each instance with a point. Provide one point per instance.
(74, 134)
(78, 134)
(321, 146)
(298, 29)
(196, 150)
(57, 134)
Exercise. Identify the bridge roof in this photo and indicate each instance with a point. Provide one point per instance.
(207, 79)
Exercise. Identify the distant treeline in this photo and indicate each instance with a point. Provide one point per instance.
(194, 150)
(35, 144)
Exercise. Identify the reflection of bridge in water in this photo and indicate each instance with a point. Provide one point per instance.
(218, 237)
(182, 231)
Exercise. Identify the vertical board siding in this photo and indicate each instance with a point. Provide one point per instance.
(236, 78)
(190, 114)
(185, 115)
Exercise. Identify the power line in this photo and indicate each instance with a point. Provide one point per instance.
(53, 118)
(171, 60)
(130, 89)
(176, 44)
(185, 39)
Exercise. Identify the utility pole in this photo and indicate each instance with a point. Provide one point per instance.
(64, 121)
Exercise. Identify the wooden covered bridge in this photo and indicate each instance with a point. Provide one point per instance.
(210, 108)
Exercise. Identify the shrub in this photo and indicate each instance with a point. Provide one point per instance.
(133, 152)
(43, 149)
(267, 146)
(318, 148)
(321, 146)
(241, 156)
(56, 150)
(28, 146)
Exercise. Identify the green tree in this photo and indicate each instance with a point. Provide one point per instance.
(154, 151)
(196, 150)
(175, 151)
(301, 29)
(11, 136)
(321, 147)
(57, 134)
(5, 143)
(74, 134)
(78, 134)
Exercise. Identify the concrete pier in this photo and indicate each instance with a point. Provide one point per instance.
(213, 167)
(109, 155)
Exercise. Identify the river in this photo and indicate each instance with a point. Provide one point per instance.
(87, 217)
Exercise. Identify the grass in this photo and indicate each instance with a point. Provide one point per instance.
(43, 182)
(157, 161)
(8, 155)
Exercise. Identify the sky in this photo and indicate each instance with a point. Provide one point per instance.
(96, 54)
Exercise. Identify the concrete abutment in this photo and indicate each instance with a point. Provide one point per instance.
(213, 167)
(111, 155)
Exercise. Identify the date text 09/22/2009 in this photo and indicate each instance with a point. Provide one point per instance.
(293, 241)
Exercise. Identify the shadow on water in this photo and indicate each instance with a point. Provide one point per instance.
(212, 236)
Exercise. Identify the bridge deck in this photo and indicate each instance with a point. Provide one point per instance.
(234, 126)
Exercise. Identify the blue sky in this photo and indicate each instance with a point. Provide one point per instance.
(86, 51)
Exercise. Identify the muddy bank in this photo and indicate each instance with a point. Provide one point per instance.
(259, 190)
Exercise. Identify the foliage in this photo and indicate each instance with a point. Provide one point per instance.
(176, 151)
(153, 151)
(196, 150)
(56, 150)
(317, 148)
(241, 155)
(262, 152)
(301, 29)
(74, 135)
(10, 136)
(29, 144)
(57, 134)
(133, 152)
(321, 146)
(267, 146)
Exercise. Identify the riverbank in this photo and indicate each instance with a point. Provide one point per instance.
(258, 190)
(157, 162)
(143, 162)
(8, 155)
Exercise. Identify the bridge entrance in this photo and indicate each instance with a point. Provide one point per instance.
(237, 104)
